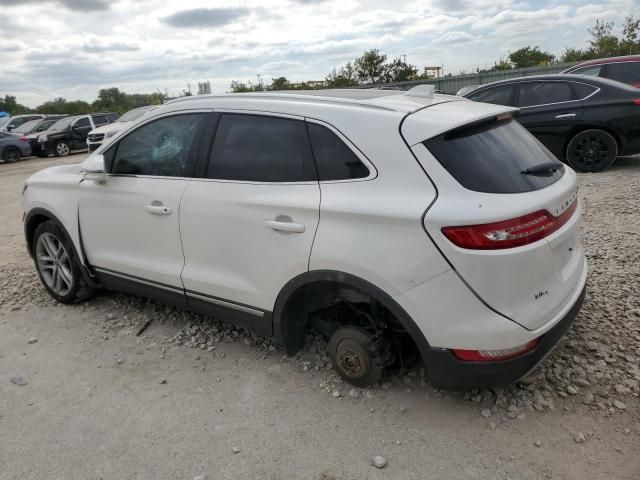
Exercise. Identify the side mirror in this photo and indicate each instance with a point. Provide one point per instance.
(93, 169)
(9, 128)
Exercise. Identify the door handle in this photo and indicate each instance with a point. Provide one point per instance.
(289, 227)
(157, 209)
(566, 115)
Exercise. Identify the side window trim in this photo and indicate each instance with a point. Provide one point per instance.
(373, 171)
(206, 148)
(189, 169)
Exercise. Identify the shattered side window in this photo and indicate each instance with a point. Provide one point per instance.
(159, 148)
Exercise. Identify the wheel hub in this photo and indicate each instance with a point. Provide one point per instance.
(351, 363)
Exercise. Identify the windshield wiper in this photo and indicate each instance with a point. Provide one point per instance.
(543, 168)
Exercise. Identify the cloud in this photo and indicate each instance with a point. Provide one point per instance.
(455, 37)
(80, 5)
(205, 17)
(94, 47)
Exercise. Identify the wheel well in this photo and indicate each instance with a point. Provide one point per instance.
(31, 223)
(314, 291)
(582, 128)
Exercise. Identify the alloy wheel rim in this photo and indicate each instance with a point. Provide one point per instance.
(54, 264)
(591, 151)
(62, 148)
(12, 155)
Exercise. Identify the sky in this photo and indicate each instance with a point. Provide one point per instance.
(72, 48)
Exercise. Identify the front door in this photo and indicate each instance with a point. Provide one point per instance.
(79, 131)
(129, 224)
(248, 227)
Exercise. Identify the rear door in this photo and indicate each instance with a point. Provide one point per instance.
(478, 173)
(549, 110)
(248, 224)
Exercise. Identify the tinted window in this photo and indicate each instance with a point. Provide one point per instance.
(583, 90)
(490, 157)
(261, 149)
(335, 161)
(82, 123)
(44, 125)
(497, 95)
(590, 70)
(158, 148)
(626, 72)
(100, 120)
(542, 93)
(26, 127)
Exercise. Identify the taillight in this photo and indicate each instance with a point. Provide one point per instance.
(494, 355)
(637, 100)
(509, 233)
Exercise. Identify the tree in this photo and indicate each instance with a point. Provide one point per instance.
(530, 57)
(603, 43)
(501, 65)
(343, 78)
(630, 42)
(111, 100)
(399, 71)
(575, 55)
(280, 83)
(370, 67)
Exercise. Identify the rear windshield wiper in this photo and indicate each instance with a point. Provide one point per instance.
(543, 168)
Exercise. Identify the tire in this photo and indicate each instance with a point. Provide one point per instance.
(57, 264)
(592, 150)
(11, 154)
(61, 149)
(351, 354)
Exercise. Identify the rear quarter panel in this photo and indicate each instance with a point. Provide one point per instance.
(372, 229)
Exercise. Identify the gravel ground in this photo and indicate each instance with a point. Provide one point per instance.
(82, 397)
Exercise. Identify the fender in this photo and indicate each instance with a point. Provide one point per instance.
(30, 226)
(291, 333)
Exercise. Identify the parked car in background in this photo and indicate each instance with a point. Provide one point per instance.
(34, 126)
(279, 213)
(584, 120)
(622, 69)
(12, 148)
(70, 133)
(8, 124)
(104, 132)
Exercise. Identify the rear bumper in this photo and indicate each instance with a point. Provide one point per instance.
(446, 371)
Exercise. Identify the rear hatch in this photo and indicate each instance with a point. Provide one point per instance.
(507, 216)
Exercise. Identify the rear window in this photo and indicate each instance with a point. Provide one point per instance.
(490, 157)
(626, 72)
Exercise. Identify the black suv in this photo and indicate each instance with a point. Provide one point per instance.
(70, 133)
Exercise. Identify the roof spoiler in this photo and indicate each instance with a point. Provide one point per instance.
(422, 91)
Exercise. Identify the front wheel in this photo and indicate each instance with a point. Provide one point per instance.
(57, 264)
(351, 352)
(62, 149)
(11, 154)
(592, 150)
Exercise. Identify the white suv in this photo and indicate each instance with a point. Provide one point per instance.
(392, 223)
(104, 132)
